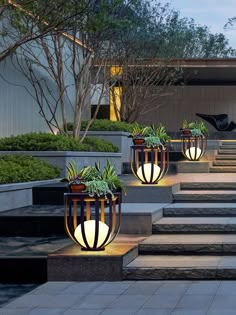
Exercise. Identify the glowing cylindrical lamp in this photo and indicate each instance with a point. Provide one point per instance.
(193, 147)
(86, 222)
(149, 164)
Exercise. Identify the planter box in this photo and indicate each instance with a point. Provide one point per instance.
(62, 158)
(19, 194)
(118, 138)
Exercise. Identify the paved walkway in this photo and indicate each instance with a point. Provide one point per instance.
(127, 298)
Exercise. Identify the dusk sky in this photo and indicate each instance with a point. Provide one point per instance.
(213, 13)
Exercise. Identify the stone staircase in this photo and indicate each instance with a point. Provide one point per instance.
(225, 160)
(195, 238)
(27, 236)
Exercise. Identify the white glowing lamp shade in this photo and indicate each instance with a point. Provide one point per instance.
(190, 153)
(89, 228)
(148, 172)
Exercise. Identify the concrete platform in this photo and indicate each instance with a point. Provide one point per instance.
(73, 264)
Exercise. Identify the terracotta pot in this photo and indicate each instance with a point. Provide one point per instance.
(186, 132)
(76, 188)
(138, 141)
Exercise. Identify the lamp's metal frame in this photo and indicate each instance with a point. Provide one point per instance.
(189, 141)
(141, 155)
(78, 211)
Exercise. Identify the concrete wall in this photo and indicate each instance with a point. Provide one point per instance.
(181, 103)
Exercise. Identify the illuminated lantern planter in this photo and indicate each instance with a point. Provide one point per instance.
(85, 220)
(193, 147)
(149, 164)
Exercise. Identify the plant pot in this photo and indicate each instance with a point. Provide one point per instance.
(138, 141)
(187, 132)
(76, 188)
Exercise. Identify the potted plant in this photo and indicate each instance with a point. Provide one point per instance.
(92, 180)
(138, 134)
(74, 177)
(194, 128)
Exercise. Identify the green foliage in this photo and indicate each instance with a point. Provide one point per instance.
(138, 131)
(94, 178)
(156, 136)
(152, 141)
(22, 168)
(196, 128)
(105, 125)
(50, 142)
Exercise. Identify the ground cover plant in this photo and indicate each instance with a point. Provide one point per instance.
(50, 142)
(22, 168)
(106, 125)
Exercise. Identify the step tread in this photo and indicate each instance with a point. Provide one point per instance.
(191, 239)
(201, 205)
(183, 261)
(35, 210)
(196, 221)
(30, 246)
(225, 157)
(205, 192)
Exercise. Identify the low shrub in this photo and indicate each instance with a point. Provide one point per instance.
(23, 168)
(50, 142)
(105, 125)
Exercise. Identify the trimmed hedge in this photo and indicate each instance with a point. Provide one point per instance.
(50, 142)
(23, 168)
(105, 125)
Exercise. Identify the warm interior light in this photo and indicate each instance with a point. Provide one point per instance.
(190, 153)
(147, 171)
(89, 227)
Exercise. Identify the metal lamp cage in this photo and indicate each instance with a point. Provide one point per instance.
(141, 156)
(191, 146)
(80, 208)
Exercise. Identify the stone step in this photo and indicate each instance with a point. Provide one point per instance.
(24, 259)
(194, 244)
(223, 169)
(205, 195)
(224, 163)
(35, 221)
(228, 147)
(208, 185)
(200, 210)
(165, 267)
(226, 152)
(225, 157)
(194, 225)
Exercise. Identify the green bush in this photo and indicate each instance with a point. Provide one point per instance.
(105, 125)
(50, 142)
(22, 168)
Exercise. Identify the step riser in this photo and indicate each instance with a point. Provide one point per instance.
(204, 198)
(225, 157)
(23, 270)
(226, 152)
(224, 163)
(178, 274)
(187, 249)
(31, 226)
(194, 228)
(207, 212)
(222, 170)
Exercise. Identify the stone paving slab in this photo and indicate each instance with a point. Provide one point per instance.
(127, 298)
